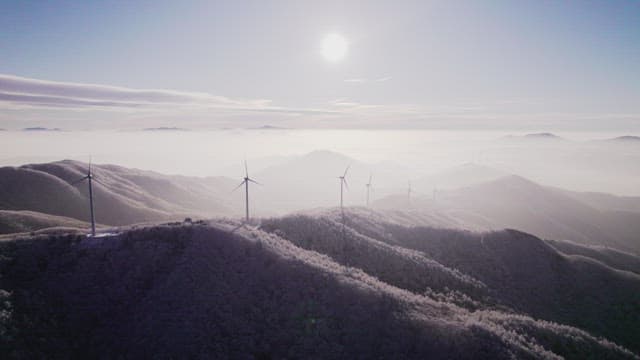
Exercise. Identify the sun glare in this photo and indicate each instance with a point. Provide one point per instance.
(334, 47)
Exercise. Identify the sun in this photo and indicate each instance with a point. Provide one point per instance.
(334, 47)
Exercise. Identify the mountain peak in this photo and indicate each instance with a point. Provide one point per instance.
(626, 138)
(165, 128)
(515, 179)
(39, 128)
(542, 135)
(534, 136)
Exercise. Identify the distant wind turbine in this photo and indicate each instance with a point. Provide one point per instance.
(368, 185)
(343, 184)
(245, 182)
(409, 191)
(89, 177)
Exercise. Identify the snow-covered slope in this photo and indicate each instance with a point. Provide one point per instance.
(499, 269)
(26, 221)
(122, 195)
(221, 290)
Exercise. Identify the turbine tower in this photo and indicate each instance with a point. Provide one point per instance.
(89, 177)
(368, 185)
(343, 184)
(245, 182)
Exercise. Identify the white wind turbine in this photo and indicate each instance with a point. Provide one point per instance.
(89, 177)
(245, 182)
(368, 185)
(343, 184)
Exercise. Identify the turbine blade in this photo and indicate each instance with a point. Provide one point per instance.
(98, 181)
(79, 180)
(345, 170)
(246, 169)
(237, 187)
(346, 185)
(255, 182)
(90, 158)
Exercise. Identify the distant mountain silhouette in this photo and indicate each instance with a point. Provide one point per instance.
(202, 291)
(122, 196)
(515, 202)
(268, 127)
(463, 175)
(543, 136)
(306, 179)
(164, 128)
(311, 180)
(626, 139)
(606, 202)
(38, 128)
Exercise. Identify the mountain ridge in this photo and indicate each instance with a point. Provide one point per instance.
(122, 195)
(244, 293)
(513, 201)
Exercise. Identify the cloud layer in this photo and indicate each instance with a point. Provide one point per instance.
(23, 92)
(33, 100)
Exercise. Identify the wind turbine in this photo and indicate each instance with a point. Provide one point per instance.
(245, 182)
(343, 184)
(368, 185)
(89, 177)
(409, 191)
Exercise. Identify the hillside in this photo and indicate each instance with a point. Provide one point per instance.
(612, 257)
(205, 291)
(522, 204)
(515, 202)
(606, 202)
(26, 221)
(497, 270)
(122, 196)
(455, 177)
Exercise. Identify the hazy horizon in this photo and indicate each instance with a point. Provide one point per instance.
(597, 165)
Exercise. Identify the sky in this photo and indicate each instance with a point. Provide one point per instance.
(540, 65)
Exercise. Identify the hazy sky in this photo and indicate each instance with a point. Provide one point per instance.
(544, 65)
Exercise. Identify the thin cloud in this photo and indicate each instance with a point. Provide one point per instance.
(57, 101)
(28, 86)
(19, 92)
(25, 94)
